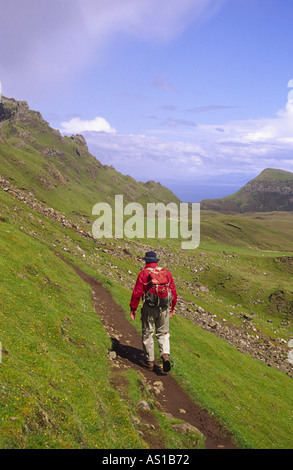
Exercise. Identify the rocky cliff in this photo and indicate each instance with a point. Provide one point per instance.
(17, 110)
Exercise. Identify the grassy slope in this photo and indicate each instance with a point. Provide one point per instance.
(243, 393)
(50, 353)
(259, 264)
(49, 369)
(55, 374)
(252, 400)
(239, 267)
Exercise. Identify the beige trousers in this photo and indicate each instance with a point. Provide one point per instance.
(155, 320)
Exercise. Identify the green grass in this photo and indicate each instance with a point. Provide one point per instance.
(133, 388)
(55, 380)
(56, 384)
(258, 231)
(54, 374)
(251, 399)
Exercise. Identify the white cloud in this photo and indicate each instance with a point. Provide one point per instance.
(276, 131)
(252, 145)
(145, 157)
(77, 125)
(242, 147)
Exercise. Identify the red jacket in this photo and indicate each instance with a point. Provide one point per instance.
(140, 287)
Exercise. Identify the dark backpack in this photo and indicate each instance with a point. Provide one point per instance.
(158, 288)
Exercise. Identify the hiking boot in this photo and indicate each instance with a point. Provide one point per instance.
(148, 365)
(166, 362)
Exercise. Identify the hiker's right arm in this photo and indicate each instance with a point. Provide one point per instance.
(133, 314)
(172, 312)
(136, 294)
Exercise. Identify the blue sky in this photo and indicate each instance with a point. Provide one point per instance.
(191, 93)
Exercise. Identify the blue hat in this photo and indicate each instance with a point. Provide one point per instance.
(151, 257)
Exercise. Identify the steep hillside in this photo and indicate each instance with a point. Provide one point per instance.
(60, 171)
(58, 369)
(69, 374)
(272, 190)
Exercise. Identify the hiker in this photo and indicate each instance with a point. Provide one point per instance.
(157, 289)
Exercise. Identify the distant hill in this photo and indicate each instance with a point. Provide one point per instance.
(272, 190)
(60, 171)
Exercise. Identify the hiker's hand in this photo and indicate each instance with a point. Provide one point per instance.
(133, 314)
(172, 312)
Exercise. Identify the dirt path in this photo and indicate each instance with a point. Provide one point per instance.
(127, 345)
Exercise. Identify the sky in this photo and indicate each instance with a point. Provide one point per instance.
(195, 94)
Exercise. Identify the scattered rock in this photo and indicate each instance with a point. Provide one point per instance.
(186, 427)
(248, 317)
(49, 212)
(290, 357)
(135, 420)
(144, 405)
(112, 355)
(158, 387)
